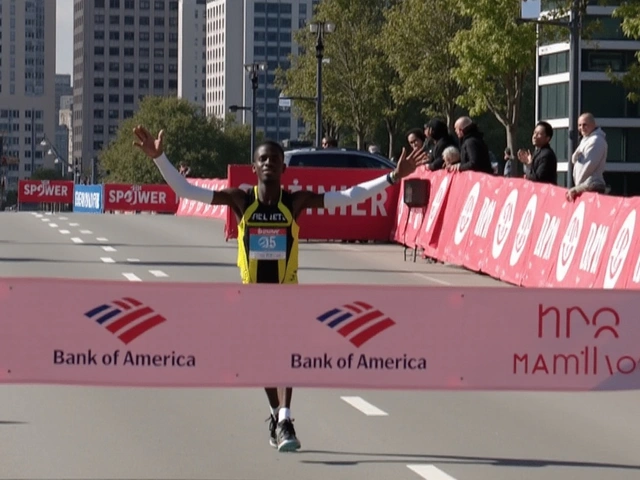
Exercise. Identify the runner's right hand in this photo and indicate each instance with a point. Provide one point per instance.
(152, 147)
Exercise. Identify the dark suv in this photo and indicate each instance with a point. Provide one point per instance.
(336, 158)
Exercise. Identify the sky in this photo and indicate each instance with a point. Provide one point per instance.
(64, 33)
(64, 36)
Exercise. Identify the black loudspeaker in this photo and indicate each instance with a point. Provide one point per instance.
(416, 192)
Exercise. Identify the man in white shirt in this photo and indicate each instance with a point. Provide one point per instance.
(589, 160)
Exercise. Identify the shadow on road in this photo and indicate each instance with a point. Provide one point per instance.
(457, 459)
(11, 422)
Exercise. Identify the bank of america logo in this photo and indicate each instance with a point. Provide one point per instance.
(126, 318)
(358, 322)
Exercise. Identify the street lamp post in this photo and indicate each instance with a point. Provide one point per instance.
(59, 158)
(254, 69)
(320, 28)
(574, 24)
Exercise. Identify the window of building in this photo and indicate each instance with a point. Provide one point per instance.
(129, 20)
(144, 4)
(114, 83)
(98, 82)
(114, 35)
(259, 22)
(129, 36)
(114, 67)
(98, 50)
(158, 36)
(143, 21)
(128, 83)
(158, 84)
(98, 3)
(98, 19)
(560, 144)
(602, 60)
(98, 98)
(143, 83)
(603, 27)
(98, 129)
(158, 4)
(554, 101)
(554, 63)
(114, 3)
(129, 4)
(114, 51)
(114, 20)
(143, 36)
(158, 21)
(606, 99)
(259, 7)
(98, 35)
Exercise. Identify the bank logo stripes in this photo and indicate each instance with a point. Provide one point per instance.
(126, 318)
(358, 322)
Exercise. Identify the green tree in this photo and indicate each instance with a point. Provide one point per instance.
(353, 89)
(495, 54)
(190, 137)
(416, 39)
(46, 174)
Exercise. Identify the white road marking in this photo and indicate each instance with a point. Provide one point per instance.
(86, 232)
(45, 219)
(431, 279)
(38, 215)
(76, 240)
(53, 225)
(364, 406)
(48, 213)
(74, 224)
(109, 249)
(430, 472)
(102, 239)
(107, 260)
(131, 277)
(158, 273)
(63, 218)
(64, 232)
(133, 260)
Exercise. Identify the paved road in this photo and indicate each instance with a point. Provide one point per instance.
(94, 433)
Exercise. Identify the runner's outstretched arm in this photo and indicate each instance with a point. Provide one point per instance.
(154, 148)
(407, 164)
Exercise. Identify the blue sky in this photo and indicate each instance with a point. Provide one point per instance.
(64, 36)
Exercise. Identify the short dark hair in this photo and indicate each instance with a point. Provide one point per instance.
(548, 129)
(418, 133)
(270, 143)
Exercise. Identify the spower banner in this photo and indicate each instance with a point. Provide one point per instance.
(338, 336)
(45, 191)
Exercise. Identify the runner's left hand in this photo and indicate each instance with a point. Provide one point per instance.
(408, 163)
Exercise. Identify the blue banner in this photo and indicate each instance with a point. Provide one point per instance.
(88, 198)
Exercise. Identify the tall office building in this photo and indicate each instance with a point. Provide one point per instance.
(242, 32)
(192, 31)
(124, 50)
(63, 91)
(27, 84)
(620, 119)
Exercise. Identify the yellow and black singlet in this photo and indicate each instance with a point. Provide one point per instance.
(268, 241)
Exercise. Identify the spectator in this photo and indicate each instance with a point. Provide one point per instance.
(437, 132)
(590, 159)
(450, 156)
(416, 139)
(185, 170)
(329, 142)
(474, 153)
(542, 166)
(508, 159)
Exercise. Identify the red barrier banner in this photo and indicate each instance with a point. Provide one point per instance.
(621, 266)
(429, 234)
(370, 220)
(461, 208)
(410, 218)
(140, 198)
(45, 191)
(123, 334)
(198, 209)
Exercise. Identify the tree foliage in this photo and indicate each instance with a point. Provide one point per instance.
(47, 174)
(629, 15)
(495, 54)
(353, 77)
(206, 145)
(416, 39)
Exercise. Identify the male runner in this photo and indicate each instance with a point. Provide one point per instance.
(272, 258)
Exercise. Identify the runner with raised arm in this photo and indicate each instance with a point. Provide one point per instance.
(268, 231)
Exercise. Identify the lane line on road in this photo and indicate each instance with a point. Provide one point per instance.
(74, 224)
(107, 260)
(132, 277)
(158, 273)
(76, 240)
(102, 239)
(53, 225)
(431, 279)
(48, 213)
(38, 215)
(133, 260)
(365, 407)
(430, 472)
(63, 218)
(64, 232)
(45, 219)
(109, 249)
(86, 232)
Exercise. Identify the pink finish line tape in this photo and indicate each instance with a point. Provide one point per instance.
(332, 336)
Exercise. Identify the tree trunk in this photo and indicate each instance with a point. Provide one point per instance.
(391, 125)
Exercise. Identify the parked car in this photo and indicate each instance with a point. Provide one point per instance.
(336, 158)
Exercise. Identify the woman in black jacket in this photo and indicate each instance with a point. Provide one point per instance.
(437, 131)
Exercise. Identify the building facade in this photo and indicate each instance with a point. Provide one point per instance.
(192, 32)
(606, 47)
(242, 32)
(124, 50)
(64, 94)
(27, 84)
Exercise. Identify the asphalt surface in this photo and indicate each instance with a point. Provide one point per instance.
(216, 434)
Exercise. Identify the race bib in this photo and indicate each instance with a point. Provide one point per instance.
(268, 243)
